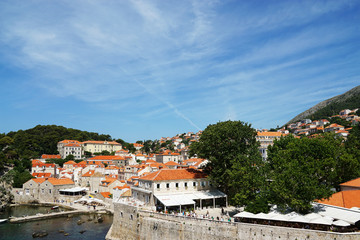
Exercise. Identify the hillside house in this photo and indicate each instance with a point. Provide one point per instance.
(177, 188)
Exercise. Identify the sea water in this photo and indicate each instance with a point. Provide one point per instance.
(56, 227)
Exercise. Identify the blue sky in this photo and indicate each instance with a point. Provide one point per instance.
(146, 69)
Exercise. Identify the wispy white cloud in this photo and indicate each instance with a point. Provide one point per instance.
(201, 61)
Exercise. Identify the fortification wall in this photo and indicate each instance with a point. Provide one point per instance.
(132, 223)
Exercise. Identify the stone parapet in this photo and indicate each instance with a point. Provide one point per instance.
(132, 223)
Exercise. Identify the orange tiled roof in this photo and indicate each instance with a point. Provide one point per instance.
(171, 163)
(102, 142)
(107, 181)
(174, 174)
(89, 173)
(150, 161)
(137, 145)
(105, 194)
(122, 187)
(49, 156)
(43, 165)
(106, 158)
(352, 183)
(39, 180)
(63, 181)
(270, 134)
(70, 162)
(346, 199)
(69, 141)
(41, 175)
(36, 161)
(72, 145)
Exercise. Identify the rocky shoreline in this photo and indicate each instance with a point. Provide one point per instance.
(6, 196)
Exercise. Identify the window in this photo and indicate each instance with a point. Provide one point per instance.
(42, 190)
(158, 186)
(49, 190)
(203, 184)
(185, 184)
(194, 184)
(176, 185)
(168, 185)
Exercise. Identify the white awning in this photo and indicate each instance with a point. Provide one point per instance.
(175, 200)
(341, 223)
(75, 189)
(338, 213)
(245, 215)
(208, 194)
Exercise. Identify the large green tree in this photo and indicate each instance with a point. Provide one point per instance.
(235, 162)
(302, 170)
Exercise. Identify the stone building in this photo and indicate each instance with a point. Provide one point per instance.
(99, 146)
(176, 188)
(266, 139)
(49, 190)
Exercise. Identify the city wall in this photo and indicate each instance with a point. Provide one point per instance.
(131, 223)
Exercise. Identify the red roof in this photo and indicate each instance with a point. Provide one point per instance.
(43, 165)
(352, 183)
(122, 187)
(105, 194)
(69, 141)
(62, 181)
(89, 173)
(41, 175)
(70, 162)
(174, 174)
(101, 142)
(39, 180)
(72, 145)
(48, 156)
(270, 134)
(107, 158)
(171, 163)
(346, 199)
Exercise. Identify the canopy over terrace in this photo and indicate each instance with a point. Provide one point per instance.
(171, 200)
(87, 200)
(76, 191)
(175, 200)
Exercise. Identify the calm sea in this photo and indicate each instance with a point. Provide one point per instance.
(93, 231)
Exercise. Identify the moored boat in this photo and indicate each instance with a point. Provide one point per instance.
(3, 220)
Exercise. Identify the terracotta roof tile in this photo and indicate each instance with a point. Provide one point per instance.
(70, 162)
(48, 156)
(352, 183)
(63, 181)
(172, 163)
(270, 134)
(174, 174)
(89, 173)
(105, 194)
(346, 199)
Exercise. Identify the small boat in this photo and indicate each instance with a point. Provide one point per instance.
(3, 220)
(54, 207)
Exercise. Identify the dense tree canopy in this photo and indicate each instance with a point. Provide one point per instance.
(302, 170)
(235, 162)
(16, 148)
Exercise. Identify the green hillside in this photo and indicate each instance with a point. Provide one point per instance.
(332, 106)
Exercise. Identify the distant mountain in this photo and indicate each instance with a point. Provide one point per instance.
(332, 106)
